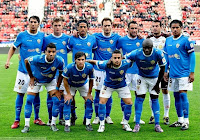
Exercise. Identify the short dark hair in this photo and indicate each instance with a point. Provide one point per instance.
(79, 54)
(57, 19)
(176, 22)
(132, 22)
(34, 17)
(82, 21)
(117, 52)
(158, 22)
(50, 45)
(106, 19)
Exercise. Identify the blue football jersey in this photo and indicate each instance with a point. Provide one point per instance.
(30, 45)
(147, 65)
(115, 77)
(127, 45)
(45, 71)
(77, 44)
(76, 77)
(61, 45)
(177, 51)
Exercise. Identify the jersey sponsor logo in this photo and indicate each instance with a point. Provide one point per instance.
(111, 72)
(83, 75)
(121, 72)
(152, 62)
(38, 41)
(177, 45)
(111, 41)
(78, 82)
(53, 68)
(174, 56)
(43, 68)
(47, 75)
(138, 44)
(89, 44)
(102, 40)
(64, 43)
(103, 49)
(147, 68)
(117, 79)
(29, 40)
(78, 44)
(128, 44)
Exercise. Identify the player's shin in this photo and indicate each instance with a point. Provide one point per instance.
(88, 111)
(102, 113)
(138, 109)
(108, 106)
(28, 109)
(96, 102)
(185, 106)
(36, 104)
(178, 106)
(156, 110)
(66, 112)
(127, 113)
(18, 106)
(166, 103)
(55, 110)
(61, 106)
(49, 105)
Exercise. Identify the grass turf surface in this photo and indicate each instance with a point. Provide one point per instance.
(114, 131)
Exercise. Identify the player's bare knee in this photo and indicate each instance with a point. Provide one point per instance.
(164, 91)
(153, 96)
(103, 100)
(141, 96)
(21, 94)
(182, 91)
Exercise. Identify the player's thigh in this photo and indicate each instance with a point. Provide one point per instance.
(34, 89)
(151, 82)
(173, 85)
(72, 90)
(99, 79)
(124, 92)
(61, 85)
(184, 84)
(141, 85)
(84, 90)
(106, 92)
(51, 86)
(22, 82)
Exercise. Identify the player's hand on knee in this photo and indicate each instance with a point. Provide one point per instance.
(90, 97)
(67, 98)
(58, 94)
(32, 82)
(166, 77)
(7, 65)
(156, 88)
(191, 77)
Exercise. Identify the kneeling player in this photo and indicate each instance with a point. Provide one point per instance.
(114, 81)
(46, 66)
(76, 78)
(147, 60)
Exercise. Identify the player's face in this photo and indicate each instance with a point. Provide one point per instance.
(176, 29)
(82, 29)
(133, 30)
(57, 28)
(116, 59)
(156, 29)
(50, 53)
(147, 49)
(80, 62)
(33, 25)
(107, 27)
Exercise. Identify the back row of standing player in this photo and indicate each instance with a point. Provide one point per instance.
(103, 44)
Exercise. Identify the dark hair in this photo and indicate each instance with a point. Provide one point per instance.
(34, 17)
(106, 19)
(132, 22)
(50, 45)
(79, 54)
(117, 51)
(175, 22)
(57, 19)
(82, 21)
(158, 22)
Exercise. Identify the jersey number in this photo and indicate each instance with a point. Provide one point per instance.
(21, 82)
(98, 79)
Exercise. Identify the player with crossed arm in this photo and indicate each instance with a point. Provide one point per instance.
(76, 77)
(159, 39)
(106, 42)
(60, 40)
(30, 44)
(85, 43)
(147, 59)
(115, 69)
(129, 43)
(46, 66)
(181, 57)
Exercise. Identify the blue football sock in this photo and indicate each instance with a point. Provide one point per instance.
(67, 110)
(96, 102)
(185, 104)
(138, 109)
(61, 106)
(178, 103)
(102, 111)
(108, 106)
(122, 105)
(55, 109)
(49, 105)
(156, 110)
(36, 104)
(28, 106)
(89, 109)
(18, 106)
(127, 112)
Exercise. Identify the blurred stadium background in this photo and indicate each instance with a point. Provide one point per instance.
(14, 15)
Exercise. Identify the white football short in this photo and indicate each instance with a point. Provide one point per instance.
(123, 92)
(144, 85)
(22, 83)
(61, 85)
(82, 90)
(49, 86)
(177, 84)
(131, 81)
(99, 79)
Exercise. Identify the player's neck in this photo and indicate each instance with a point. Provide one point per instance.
(106, 35)
(48, 61)
(80, 68)
(83, 36)
(33, 32)
(57, 35)
(157, 35)
(131, 37)
(117, 66)
(177, 36)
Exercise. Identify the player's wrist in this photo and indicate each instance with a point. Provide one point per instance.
(57, 88)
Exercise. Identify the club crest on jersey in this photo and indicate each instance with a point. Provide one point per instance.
(191, 45)
(53, 68)
(37, 50)
(177, 45)
(65, 70)
(86, 54)
(83, 75)
(64, 43)
(109, 49)
(152, 62)
(89, 44)
(111, 41)
(62, 51)
(50, 75)
(160, 46)
(121, 72)
(38, 41)
(163, 60)
(138, 44)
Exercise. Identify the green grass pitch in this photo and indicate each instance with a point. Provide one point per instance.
(114, 131)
